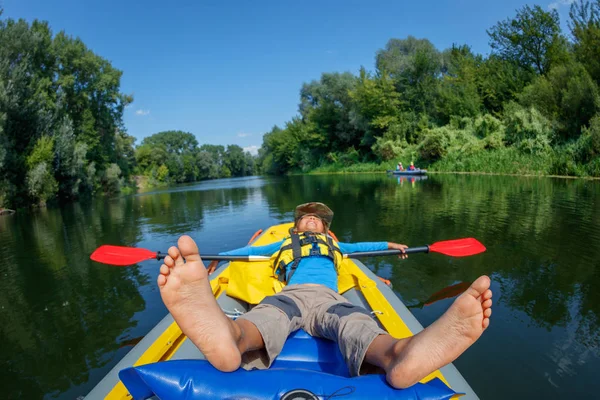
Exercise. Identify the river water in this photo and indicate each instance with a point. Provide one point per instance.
(65, 321)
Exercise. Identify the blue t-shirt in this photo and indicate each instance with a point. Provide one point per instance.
(312, 269)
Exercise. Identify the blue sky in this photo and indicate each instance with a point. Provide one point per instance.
(227, 71)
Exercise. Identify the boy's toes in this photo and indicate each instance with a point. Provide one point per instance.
(189, 249)
(164, 270)
(175, 256)
(170, 263)
(161, 281)
(479, 287)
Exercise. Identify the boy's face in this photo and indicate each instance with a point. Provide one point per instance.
(310, 223)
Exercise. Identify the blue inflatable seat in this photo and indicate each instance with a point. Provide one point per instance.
(306, 352)
(312, 366)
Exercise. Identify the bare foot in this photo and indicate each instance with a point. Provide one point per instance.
(186, 291)
(444, 340)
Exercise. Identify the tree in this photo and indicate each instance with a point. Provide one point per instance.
(532, 40)
(235, 160)
(500, 81)
(458, 91)
(585, 29)
(56, 88)
(375, 105)
(174, 142)
(567, 96)
(415, 65)
(327, 104)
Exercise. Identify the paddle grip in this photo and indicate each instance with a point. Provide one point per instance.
(160, 256)
(392, 252)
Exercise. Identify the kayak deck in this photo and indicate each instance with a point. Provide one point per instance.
(415, 172)
(167, 342)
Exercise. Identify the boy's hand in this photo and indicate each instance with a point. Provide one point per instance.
(212, 266)
(396, 246)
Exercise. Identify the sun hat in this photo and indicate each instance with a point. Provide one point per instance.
(315, 208)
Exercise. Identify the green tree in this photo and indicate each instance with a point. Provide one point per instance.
(174, 142)
(55, 87)
(458, 91)
(235, 160)
(585, 29)
(327, 104)
(415, 65)
(501, 81)
(567, 96)
(532, 39)
(376, 106)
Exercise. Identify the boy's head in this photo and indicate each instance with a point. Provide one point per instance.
(314, 217)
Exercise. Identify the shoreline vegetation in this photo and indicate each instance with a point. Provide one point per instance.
(530, 107)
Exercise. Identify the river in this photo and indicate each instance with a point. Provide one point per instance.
(65, 321)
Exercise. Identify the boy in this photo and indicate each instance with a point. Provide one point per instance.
(307, 261)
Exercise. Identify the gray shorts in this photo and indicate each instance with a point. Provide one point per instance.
(319, 311)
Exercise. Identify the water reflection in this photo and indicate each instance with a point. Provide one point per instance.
(409, 179)
(65, 320)
(59, 314)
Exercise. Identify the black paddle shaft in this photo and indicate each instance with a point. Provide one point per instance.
(410, 250)
(361, 254)
(160, 256)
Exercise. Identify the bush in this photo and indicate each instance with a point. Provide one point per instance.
(112, 179)
(563, 163)
(593, 168)
(41, 184)
(387, 149)
(487, 125)
(494, 141)
(434, 146)
(587, 147)
(526, 123)
(537, 145)
(162, 173)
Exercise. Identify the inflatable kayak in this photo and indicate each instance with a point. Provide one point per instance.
(407, 172)
(165, 365)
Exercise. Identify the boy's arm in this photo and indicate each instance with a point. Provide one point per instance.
(266, 250)
(347, 248)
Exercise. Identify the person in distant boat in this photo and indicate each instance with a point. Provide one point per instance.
(412, 166)
(307, 261)
(399, 167)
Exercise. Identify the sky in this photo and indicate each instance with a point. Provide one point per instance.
(228, 71)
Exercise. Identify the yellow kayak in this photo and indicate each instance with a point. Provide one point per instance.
(238, 285)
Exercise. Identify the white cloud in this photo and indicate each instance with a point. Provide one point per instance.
(555, 4)
(142, 112)
(243, 134)
(252, 150)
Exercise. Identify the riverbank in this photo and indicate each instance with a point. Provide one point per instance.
(504, 162)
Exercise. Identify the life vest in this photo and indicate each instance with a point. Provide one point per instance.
(298, 246)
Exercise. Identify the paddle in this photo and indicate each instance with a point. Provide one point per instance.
(123, 256)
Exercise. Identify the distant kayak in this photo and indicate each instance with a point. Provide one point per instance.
(406, 172)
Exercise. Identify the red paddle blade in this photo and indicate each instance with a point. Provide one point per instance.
(120, 255)
(458, 247)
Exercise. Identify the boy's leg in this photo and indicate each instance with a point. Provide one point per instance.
(271, 321)
(186, 291)
(406, 361)
(351, 326)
